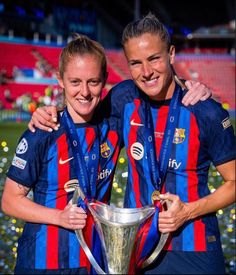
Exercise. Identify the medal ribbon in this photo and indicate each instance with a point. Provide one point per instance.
(86, 174)
(159, 169)
(87, 177)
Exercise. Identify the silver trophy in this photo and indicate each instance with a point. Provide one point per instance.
(117, 229)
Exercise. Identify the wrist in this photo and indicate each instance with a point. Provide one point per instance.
(192, 210)
(55, 219)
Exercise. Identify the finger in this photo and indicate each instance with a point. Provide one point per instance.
(41, 125)
(187, 98)
(42, 120)
(201, 93)
(52, 110)
(194, 100)
(166, 196)
(164, 218)
(166, 224)
(166, 229)
(77, 220)
(167, 216)
(169, 224)
(194, 94)
(172, 201)
(31, 126)
(45, 114)
(189, 83)
(79, 225)
(80, 210)
(206, 93)
(205, 97)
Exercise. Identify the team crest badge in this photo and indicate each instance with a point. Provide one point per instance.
(179, 135)
(105, 150)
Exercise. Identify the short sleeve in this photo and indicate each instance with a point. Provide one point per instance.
(219, 133)
(25, 165)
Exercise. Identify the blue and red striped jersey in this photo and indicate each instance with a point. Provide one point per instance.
(44, 162)
(203, 135)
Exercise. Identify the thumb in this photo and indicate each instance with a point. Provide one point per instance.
(31, 126)
(168, 196)
(52, 110)
(164, 196)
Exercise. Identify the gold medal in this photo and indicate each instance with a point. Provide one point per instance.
(155, 196)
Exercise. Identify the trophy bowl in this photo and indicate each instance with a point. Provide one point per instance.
(117, 229)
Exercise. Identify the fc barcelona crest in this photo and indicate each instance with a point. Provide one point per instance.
(105, 150)
(179, 135)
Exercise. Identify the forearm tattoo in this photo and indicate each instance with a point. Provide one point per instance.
(24, 189)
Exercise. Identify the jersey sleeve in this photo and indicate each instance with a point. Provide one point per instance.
(113, 105)
(218, 133)
(25, 165)
(118, 97)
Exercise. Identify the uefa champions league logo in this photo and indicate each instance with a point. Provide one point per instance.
(22, 147)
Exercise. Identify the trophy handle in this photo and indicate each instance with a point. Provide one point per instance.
(79, 234)
(161, 243)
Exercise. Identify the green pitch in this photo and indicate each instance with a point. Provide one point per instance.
(11, 228)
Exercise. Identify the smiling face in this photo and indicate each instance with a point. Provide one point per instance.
(82, 82)
(150, 61)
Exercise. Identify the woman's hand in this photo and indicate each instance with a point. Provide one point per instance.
(176, 215)
(72, 217)
(196, 91)
(44, 118)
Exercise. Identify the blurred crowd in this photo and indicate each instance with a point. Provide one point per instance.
(26, 102)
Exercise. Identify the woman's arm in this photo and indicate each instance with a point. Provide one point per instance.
(45, 117)
(16, 203)
(180, 212)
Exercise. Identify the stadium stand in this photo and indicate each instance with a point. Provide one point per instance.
(217, 71)
(16, 55)
(30, 69)
(117, 58)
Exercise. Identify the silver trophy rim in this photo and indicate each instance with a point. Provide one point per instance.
(149, 208)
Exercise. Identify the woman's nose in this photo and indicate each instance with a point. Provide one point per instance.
(146, 70)
(84, 90)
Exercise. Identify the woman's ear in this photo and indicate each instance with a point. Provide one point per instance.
(172, 54)
(60, 81)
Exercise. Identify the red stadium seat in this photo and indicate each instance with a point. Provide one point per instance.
(217, 71)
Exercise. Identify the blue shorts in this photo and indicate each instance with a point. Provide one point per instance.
(182, 262)
(80, 270)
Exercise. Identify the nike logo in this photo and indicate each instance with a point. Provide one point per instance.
(65, 161)
(133, 123)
